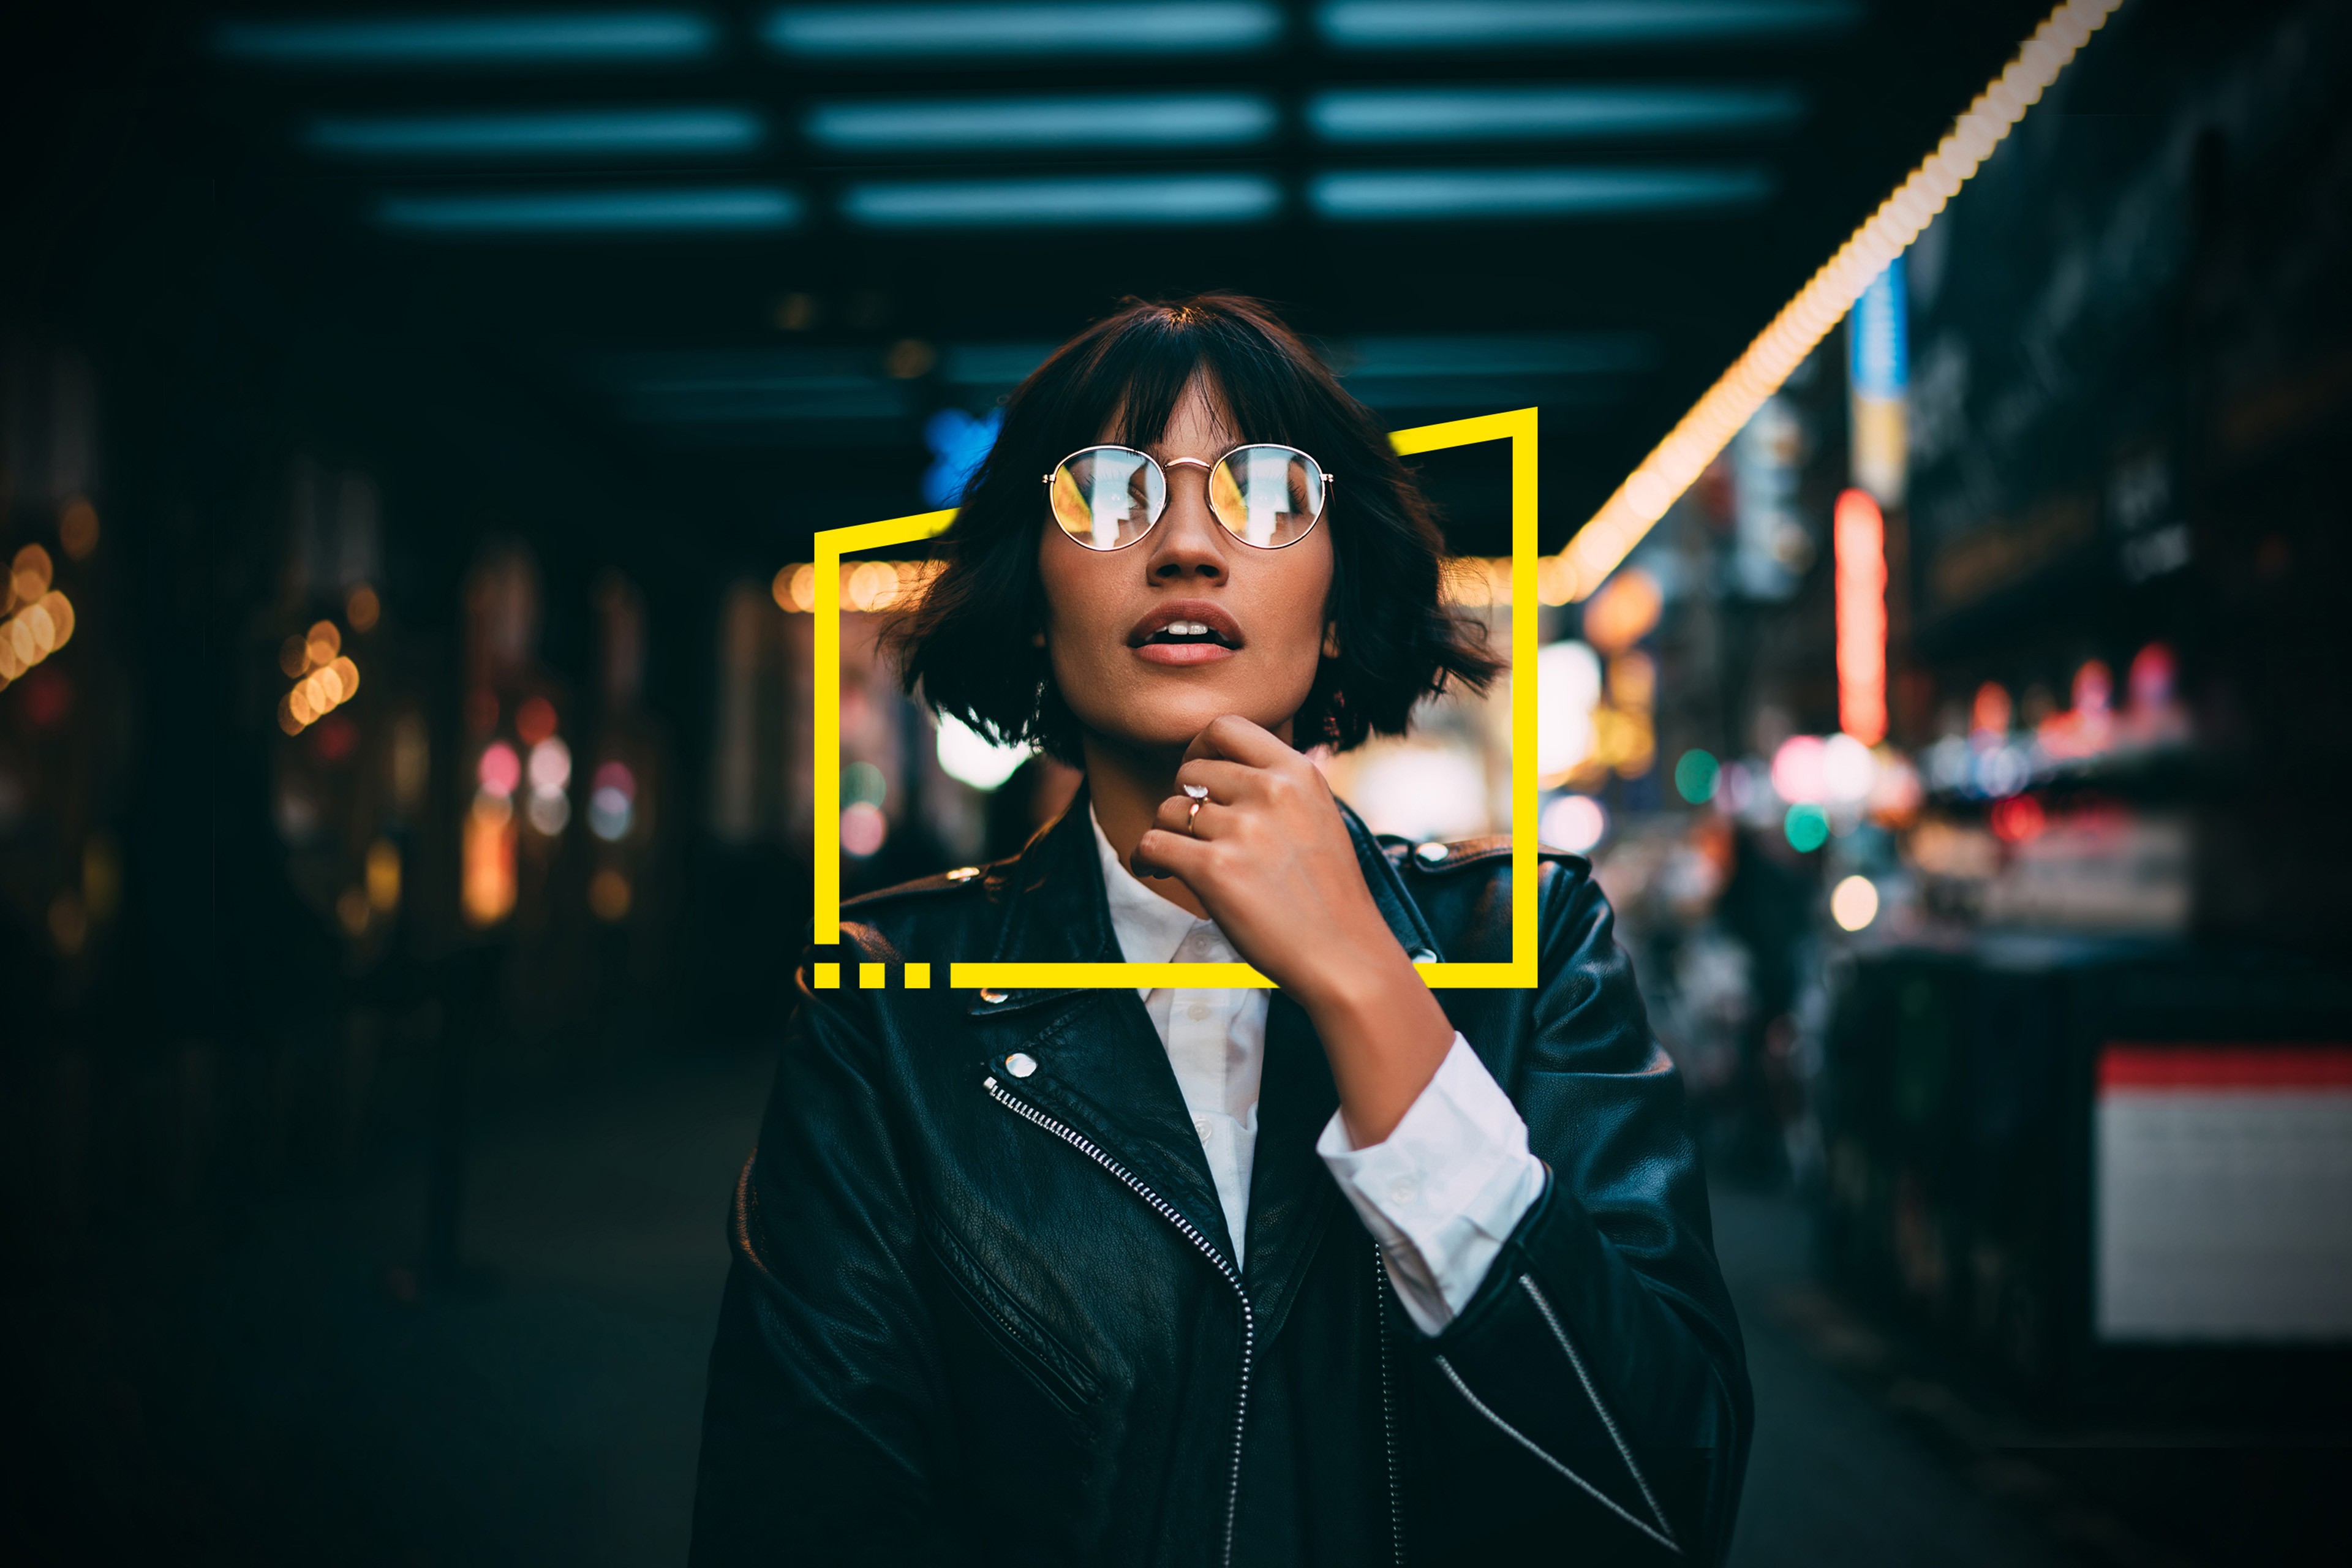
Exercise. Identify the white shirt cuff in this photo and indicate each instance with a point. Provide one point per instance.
(1444, 1189)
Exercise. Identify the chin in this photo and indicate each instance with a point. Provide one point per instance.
(1173, 718)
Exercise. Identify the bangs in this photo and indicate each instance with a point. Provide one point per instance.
(1123, 382)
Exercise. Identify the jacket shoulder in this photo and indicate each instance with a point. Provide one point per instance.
(962, 879)
(1446, 858)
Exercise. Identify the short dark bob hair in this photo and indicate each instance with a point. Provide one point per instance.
(967, 644)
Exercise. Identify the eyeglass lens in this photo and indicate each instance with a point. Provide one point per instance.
(1106, 498)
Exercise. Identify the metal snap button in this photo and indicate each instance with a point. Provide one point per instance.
(1433, 854)
(964, 873)
(1423, 955)
(1020, 1064)
(991, 998)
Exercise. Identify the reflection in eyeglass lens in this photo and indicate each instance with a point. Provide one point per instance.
(1107, 497)
(1266, 496)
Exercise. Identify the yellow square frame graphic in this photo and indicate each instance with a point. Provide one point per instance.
(1518, 427)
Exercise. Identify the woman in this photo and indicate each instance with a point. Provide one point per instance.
(1345, 1272)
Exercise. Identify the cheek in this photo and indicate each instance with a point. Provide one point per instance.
(1302, 596)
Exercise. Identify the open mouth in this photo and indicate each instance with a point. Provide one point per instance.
(1189, 633)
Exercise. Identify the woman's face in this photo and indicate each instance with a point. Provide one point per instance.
(1108, 612)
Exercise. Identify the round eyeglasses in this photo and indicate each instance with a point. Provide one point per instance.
(1267, 496)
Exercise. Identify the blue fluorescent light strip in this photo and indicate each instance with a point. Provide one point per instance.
(1517, 24)
(1136, 120)
(1517, 354)
(1558, 114)
(1142, 30)
(591, 132)
(589, 37)
(1127, 199)
(709, 210)
(1530, 192)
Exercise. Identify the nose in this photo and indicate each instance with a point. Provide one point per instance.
(1188, 545)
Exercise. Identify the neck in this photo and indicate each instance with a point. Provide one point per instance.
(1125, 786)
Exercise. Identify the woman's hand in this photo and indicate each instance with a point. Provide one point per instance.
(1270, 859)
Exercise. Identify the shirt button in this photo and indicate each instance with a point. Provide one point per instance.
(1404, 1189)
(1197, 1011)
(1201, 1125)
(1020, 1064)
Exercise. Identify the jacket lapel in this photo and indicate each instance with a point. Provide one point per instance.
(1101, 1064)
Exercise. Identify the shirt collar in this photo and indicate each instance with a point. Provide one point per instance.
(1149, 927)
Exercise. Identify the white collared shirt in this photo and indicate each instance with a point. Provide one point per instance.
(1440, 1193)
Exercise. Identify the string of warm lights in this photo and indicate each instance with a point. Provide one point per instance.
(1473, 581)
(1678, 460)
(323, 674)
(39, 619)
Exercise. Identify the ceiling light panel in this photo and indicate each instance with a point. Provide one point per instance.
(1117, 200)
(1376, 195)
(1391, 116)
(585, 133)
(666, 210)
(1393, 24)
(990, 35)
(727, 388)
(603, 39)
(1501, 353)
(1124, 121)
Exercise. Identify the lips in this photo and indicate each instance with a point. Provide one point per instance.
(1196, 621)
(1185, 632)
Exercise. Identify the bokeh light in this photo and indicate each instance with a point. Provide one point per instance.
(1574, 823)
(1695, 776)
(1854, 903)
(499, 771)
(862, 829)
(967, 756)
(1807, 827)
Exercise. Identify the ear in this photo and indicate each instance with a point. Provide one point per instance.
(1036, 639)
(1330, 639)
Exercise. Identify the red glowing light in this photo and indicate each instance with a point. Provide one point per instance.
(49, 698)
(500, 770)
(615, 775)
(2151, 676)
(1859, 540)
(2018, 818)
(535, 720)
(1989, 714)
(335, 736)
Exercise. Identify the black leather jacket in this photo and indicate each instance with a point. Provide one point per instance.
(976, 1317)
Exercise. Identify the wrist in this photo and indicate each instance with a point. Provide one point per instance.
(1363, 985)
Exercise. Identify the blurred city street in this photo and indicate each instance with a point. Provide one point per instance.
(1900, 443)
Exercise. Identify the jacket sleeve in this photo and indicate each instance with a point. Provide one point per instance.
(1596, 1383)
(821, 1436)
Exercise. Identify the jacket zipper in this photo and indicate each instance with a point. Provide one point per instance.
(1190, 1233)
(1388, 1405)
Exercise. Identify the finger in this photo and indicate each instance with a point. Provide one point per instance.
(1160, 852)
(1228, 783)
(1235, 739)
(1176, 815)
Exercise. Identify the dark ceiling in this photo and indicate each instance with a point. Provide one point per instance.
(757, 381)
